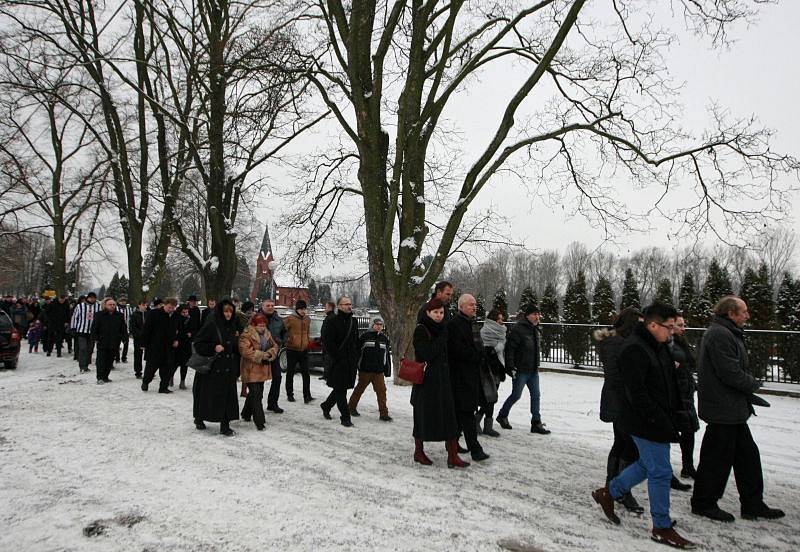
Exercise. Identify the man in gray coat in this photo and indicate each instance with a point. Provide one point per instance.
(725, 388)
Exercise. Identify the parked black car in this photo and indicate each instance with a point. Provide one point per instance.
(9, 342)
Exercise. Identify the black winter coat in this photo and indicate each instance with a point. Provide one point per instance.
(158, 335)
(650, 403)
(522, 347)
(434, 408)
(724, 379)
(609, 348)
(56, 315)
(375, 353)
(215, 396)
(108, 329)
(340, 342)
(137, 326)
(184, 350)
(464, 357)
(682, 354)
(195, 321)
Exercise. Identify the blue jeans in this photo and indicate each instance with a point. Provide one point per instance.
(531, 380)
(653, 465)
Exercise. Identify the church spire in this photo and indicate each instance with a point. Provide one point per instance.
(266, 246)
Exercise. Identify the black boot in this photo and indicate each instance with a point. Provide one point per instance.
(225, 429)
(612, 467)
(488, 422)
(678, 486)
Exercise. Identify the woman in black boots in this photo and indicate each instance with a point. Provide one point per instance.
(434, 409)
(623, 452)
(215, 397)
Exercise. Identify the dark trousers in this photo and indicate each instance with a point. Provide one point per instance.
(54, 338)
(687, 449)
(725, 447)
(297, 360)
(124, 351)
(339, 398)
(104, 362)
(466, 423)
(137, 359)
(253, 404)
(275, 387)
(623, 453)
(163, 367)
(84, 348)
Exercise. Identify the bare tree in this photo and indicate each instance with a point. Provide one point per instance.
(778, 250)
(389, 70)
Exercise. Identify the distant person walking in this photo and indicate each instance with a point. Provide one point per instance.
(493, 335)
(373, 364)
(277, 330)
(136, 329)
(108, 330)
(81, 325)
(725, 404)
(341, 343)
(160, 339)
(298, 337)
(258, 351)
(330, 313)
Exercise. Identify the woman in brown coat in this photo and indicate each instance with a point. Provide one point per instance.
(258, 350)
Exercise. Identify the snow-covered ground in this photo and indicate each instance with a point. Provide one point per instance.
(73, 453)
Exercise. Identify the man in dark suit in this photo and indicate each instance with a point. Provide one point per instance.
(340, 340)
(160, 340)
(465, 355)
(108, 330)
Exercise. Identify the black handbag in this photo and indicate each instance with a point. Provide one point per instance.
(200, 363)
(488, 385)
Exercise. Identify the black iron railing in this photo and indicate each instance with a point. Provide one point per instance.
(774, 355)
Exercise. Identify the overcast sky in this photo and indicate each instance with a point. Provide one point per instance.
(757, 75)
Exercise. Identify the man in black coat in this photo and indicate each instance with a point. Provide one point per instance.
(108, 330)
(650, 411)
(56, 316)
(330, 313)
(340, 341)
(195, 317)
(725, 388)
(136, 329)
(444, 291)
(465, 354)
(160, 340)
(522, 362)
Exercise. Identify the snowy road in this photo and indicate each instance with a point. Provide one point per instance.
(73, 453)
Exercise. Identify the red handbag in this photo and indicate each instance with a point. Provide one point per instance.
(412, 371)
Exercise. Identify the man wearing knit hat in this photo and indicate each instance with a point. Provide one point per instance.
(298, 336)
(522, 362)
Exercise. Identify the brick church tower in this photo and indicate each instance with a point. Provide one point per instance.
(264, 274)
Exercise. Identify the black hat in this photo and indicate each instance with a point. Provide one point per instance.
(91, 294)
(192, 297)
(530, 308)
(300, 304)
(157, 301)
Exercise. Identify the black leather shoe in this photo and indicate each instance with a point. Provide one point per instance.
(539, 428)
(386, 418)
(479, 455)
(227, 432)
(199, 424)
(326, 413)
(676, 484)
(503, 421)
(764, 512)
(689, 473)
(308, 400)
(144, 386)
(165, 391)
(462, 450)
(290, 399)
(714, 512)
(276, 409)
(261, 428)
(347, 423)
(355, 413)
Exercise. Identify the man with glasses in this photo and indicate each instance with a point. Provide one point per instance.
(340, 341)
(373, 365)
(724, 403)
(650, 404)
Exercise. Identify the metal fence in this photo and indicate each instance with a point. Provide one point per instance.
(774, 355)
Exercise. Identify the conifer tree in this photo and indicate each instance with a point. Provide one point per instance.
(701, 310)
(480, 308)
(124, 286)
(577, 311)
(630, 292)
(113, 287)
(528, 297)
(501, 302)
(549, 308)
(313, 293)
(686, 295)
(603, 304)
(102, 293)
(664, 293)
(749, 290)
(762, 306)
(788, 316)
(718, 282)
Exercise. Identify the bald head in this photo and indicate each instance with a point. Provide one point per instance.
(467, 304)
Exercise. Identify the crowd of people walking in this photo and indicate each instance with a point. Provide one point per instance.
(648, 394)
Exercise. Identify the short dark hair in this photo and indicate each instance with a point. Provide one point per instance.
(659, 312)
(726, 305)
(626, 320)
(441, 286)
(247, 306)
(494, 314)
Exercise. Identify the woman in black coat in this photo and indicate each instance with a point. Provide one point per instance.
(434, 408)
(215, 397)
(683, 354)
(623, 452)
(184, 350)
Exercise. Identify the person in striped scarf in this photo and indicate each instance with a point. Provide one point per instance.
(127, 311)
(81, 325)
